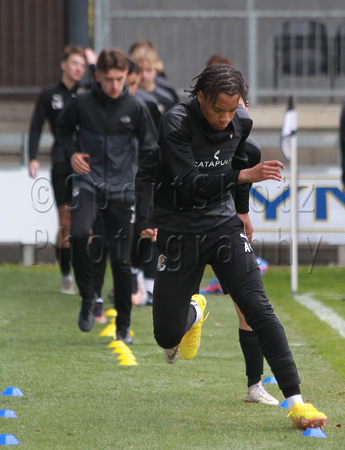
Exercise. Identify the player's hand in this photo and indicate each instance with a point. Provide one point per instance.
(149, 233)
(91, 57)
(267, 170)
(79, 164)
(248, 227)
(34, 167)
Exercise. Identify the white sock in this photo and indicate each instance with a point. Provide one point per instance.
(294, 399)
(149, 282)
(197, 310)
(99, 300)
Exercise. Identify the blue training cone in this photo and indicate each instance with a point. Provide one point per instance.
(271, 380)
(12, 391)
(314, 432)
(8, 439)
(284, 404)
(7, 413)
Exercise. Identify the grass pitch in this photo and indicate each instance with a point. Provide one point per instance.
(77, 396)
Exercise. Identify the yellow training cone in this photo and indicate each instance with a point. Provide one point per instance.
(114, 344)
(123, 356)
(111, 312)
(128, 362)
(124, 350)
(108, 331)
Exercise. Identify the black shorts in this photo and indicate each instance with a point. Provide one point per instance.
(61, 176)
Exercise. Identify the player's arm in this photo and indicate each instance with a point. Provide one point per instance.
(144, 192)
(247, 224)
(146, 132)
(267, 170)
(36, 125)
(66, 127)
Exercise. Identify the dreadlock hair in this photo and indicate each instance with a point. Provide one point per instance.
(216, 79)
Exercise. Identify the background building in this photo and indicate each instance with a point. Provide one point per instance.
(283, 49)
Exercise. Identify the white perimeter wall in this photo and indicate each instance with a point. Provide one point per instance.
(28, 211)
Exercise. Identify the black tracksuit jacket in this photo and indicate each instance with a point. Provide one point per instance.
(196, 170)
(116, 133)
(49, 105)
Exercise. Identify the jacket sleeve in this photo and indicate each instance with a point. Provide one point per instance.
(246, 156)
(144, 189)
(146, 132)
(241, 191)
(37, 121)
(66, 126)
(175, 142)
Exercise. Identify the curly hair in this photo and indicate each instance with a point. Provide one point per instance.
(216, 79)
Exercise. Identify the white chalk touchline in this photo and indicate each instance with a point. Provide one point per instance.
(322, 312)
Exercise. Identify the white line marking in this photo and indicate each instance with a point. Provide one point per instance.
(322, 312)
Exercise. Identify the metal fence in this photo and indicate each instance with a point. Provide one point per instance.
(282, 48)
(280, 51)
(14, 146)
(32, 36)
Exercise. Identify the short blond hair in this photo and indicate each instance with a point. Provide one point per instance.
(143, 53)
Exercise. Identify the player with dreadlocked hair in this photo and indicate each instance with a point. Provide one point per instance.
(219, 78)
(194, 216)
(250, 346)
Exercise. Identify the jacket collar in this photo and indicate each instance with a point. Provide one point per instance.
(96, 90)
(63, 86)
(195, 108)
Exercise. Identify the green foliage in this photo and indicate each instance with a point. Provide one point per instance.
(77, 396)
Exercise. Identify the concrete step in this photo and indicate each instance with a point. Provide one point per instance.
(266, 117)
(318, 134)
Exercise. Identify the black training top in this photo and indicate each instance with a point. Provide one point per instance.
(49, 105)
(195, 177)
(116, 133)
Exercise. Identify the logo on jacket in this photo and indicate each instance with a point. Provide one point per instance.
(162, 263)
(75, 192)
(216, 163)
(125, 119)
(57, 101)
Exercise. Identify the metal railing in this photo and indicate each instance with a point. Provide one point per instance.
(252, 36)
(16, 144)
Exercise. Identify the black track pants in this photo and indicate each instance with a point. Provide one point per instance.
(118, 228)
(181, 263)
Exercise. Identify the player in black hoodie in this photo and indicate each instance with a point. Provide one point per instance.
(115, 132)
(49, 105)
(196, 217)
